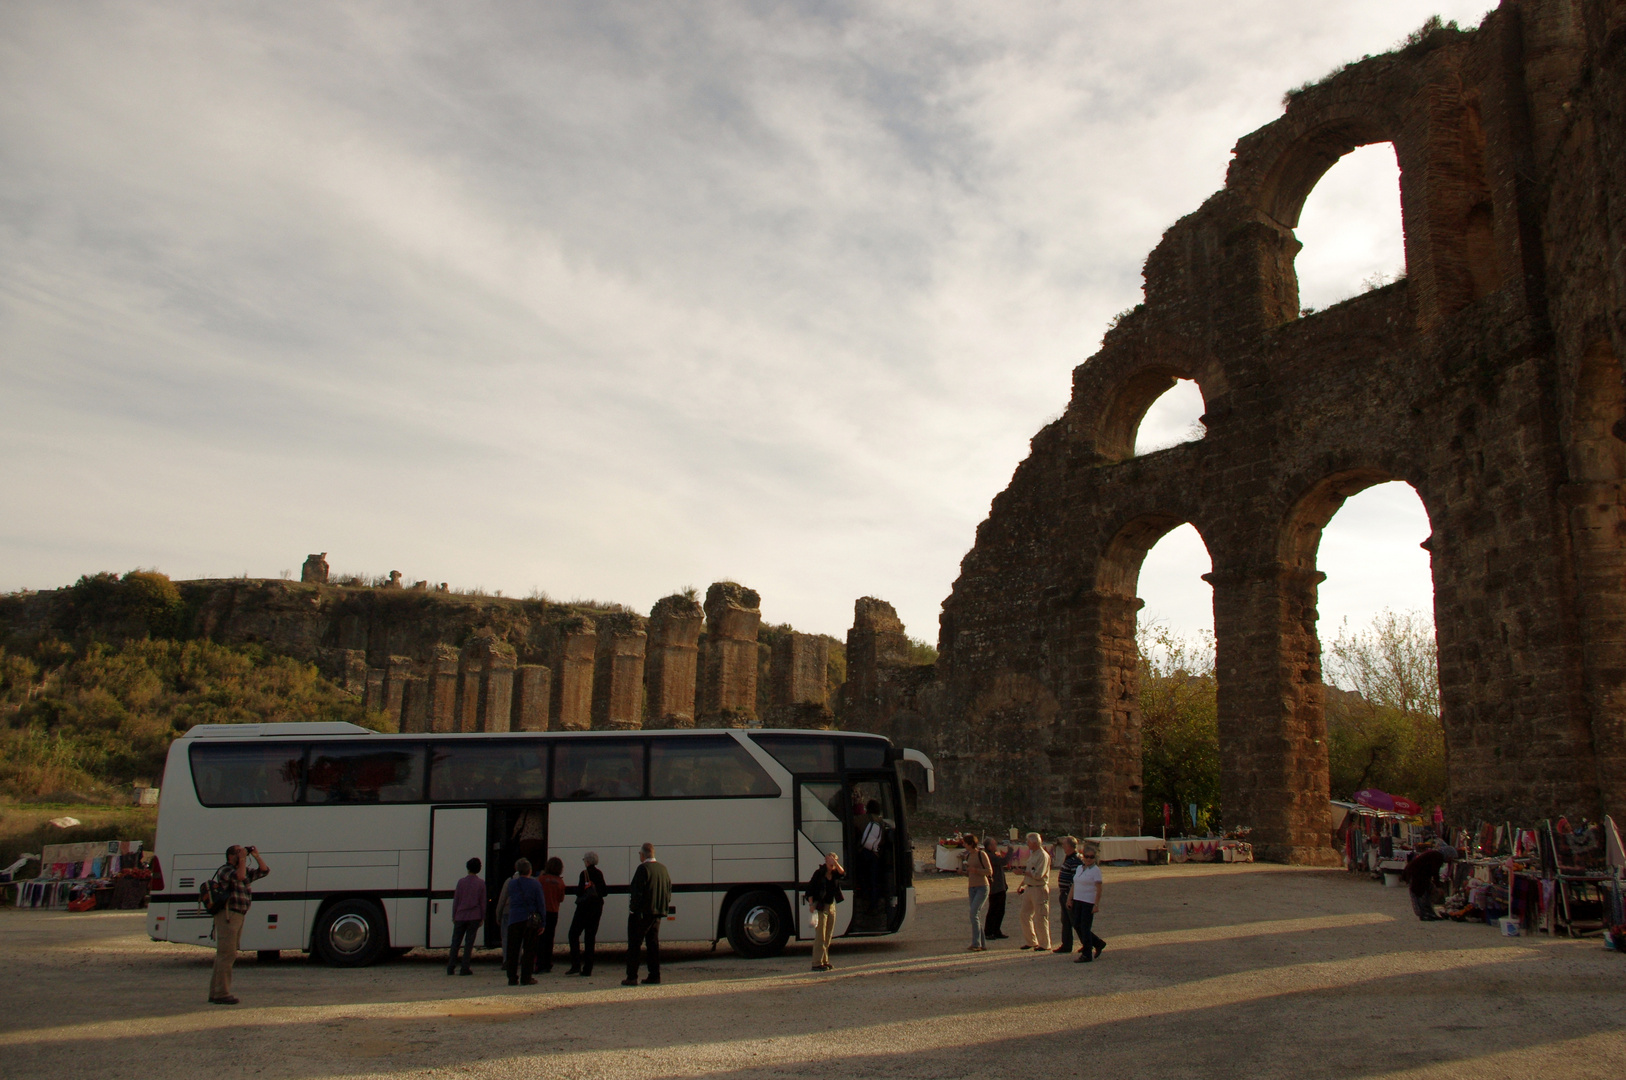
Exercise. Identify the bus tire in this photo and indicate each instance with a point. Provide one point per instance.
(351, 933)
(758, 924)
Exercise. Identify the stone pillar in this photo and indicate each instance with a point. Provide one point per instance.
(440, 679)
(729, 687)
(670, 666)
(875, 643)
(572, 692)
(618, 672)
(396, 675)
(466, 708)
(799, 682)
(533, 684)
(372, 698)
(488, 683)
(415, 703)
(315, 569)
(1272, 728)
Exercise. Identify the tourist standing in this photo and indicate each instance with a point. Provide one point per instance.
(468, 915)
(553, 894)
(590, 893)
(993, 927)
(1035, 894)
(526, 906)
(823, 894)
(502, 916)
(1070, 862)
(651, 891)
(238, 878)
(871, 841)
(1087, 890)
(978, 871)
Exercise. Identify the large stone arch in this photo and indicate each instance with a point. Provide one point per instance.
(1489, 379)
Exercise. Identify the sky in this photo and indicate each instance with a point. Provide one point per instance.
(603, 300)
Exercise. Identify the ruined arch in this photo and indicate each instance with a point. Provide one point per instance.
(1487, 382)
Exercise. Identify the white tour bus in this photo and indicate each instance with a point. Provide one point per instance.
(367, 834)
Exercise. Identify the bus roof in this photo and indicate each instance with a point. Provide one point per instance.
(319, 727)
(306, 727)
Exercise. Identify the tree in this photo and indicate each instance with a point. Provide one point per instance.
(1383, 709)
(1180, 762)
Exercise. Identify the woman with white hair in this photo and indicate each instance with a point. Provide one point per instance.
(590, 893)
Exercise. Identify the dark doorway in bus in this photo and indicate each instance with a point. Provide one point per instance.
(874, 842)
(517, 831)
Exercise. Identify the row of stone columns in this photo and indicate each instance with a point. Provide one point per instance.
(615, 671)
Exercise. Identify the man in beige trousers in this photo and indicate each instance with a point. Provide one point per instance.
(229, 920)
(1035, 892)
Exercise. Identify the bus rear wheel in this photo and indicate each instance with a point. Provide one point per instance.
(758, 924)
(351, 933)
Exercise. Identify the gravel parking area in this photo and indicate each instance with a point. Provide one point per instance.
(1212, 971)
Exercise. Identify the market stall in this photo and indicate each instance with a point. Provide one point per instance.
(78, 877)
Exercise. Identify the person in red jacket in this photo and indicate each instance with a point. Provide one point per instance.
(553, 892)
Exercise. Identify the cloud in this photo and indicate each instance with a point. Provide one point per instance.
(598, 298)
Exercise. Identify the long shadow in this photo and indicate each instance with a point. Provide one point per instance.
(1315, 1031)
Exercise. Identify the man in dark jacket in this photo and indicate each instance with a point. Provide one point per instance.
(651, 895)
(1068, 866)
(993, 925)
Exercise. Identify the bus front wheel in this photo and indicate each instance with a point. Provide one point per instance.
(351, 933)
(758, 925)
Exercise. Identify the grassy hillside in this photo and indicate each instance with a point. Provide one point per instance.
(81, 721)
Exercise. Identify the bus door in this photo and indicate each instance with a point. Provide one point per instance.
(878, 888)
(456, 835)
(821, 828)
(517, 831)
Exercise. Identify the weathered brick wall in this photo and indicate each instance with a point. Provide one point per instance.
(1489, 379)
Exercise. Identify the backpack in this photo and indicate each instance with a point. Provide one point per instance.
(214, 893)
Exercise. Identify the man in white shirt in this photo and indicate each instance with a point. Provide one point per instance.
(1035, 892)
(1087, 889)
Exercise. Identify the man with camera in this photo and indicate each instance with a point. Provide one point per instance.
(235, 876)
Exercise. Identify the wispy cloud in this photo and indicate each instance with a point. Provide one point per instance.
(600, 298)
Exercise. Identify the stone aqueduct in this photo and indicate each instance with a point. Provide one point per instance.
(1489, 379)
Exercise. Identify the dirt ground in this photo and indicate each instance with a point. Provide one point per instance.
(1211, 971)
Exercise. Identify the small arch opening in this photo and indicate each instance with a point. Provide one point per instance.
(1350, 229)
(1176, 417)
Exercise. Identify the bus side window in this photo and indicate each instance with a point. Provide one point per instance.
(705, 767)
(598, 769)
(481, 771)
(355, 773)
(238, 775)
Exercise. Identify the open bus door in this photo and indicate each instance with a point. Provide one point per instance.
(456, 835)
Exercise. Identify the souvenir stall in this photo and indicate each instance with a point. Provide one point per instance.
(1378, 833)
(1552, 878)
(1232, 847)
(79, 877)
